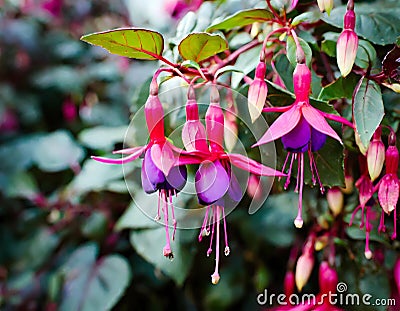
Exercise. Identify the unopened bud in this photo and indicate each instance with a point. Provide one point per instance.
(335, 200)
(289, 283)
(304, 267)
(258, 91)
(375, 156)
(396, 274)
(328, 278)
(325, 6)
(215, 122)
(302, 82)
(346, 51)
(231, 128)
(154, 114)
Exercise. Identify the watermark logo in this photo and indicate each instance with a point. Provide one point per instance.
(340, 298)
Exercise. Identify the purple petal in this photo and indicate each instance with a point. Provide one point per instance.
(318, 122)
(234, 191)
(283, 125)
(163, 156)
(152, 176)
(298, 138)
(211, 181)
(176, 178)
(318, 140)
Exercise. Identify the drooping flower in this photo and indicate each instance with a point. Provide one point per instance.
(257, 92)
(161, 170)
(347, 44)
(305, 264)
(302, 128)
(376, 155)
(216, 185)
(388, 187)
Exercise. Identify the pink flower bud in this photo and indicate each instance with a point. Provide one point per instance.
(335, 200)
(396, 273)
(215, 122)
(304, 267)
(254, 187)
(388, 193)
(376, 155)
(325, 5)
(302, 82)
(328, 278)
(349, 20)
(231, 128)
(258, 91)
(289, 283)
(392, 160)
(346, 51)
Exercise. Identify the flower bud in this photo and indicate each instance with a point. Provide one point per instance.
(304, 267)
(289, 283)
(258, 91)
(328, 278)
(154, 114)
(231, 127)
(302, 82)
(325, 5)
(335, 200)
(346, 51)
(254, 187)
(392, 160)
(375, 155)
(388, 193)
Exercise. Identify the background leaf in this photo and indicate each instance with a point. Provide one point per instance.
(291, 50)
(242, 18)
(200, 46)
(130, 42)
(368, 109)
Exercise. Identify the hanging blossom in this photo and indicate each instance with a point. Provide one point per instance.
(302, 129)
(215, 183)
(161, 170)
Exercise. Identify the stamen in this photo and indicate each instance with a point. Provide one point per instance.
(310, 156)
(203, 229)
(321, 187)
(174, 222)
(209, 251)
(296, 190)
(167, 248)
(158, 217)
(362, 217)
(215, 276)
(284, 165)
(354, 214)
(298, 222)
(368, 227)
(290, 172)
(227, 250)
(394, 235)
(381, 227)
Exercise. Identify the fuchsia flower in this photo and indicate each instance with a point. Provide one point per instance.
(376, 155)
(305, 264)
(388, 193)
(347, 44)
(216, 185)
(160, 169)
(302, 128)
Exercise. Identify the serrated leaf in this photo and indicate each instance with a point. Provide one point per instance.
(308, 17)
(368, 109)
(93, 285)
(291, 50)
(341, 88)
(200, 46)
(242, 18)
(130, 42)
(377, 22)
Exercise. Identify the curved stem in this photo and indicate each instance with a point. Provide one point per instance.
(279, 30)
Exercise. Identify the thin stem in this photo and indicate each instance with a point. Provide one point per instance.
(279, 30)
(273, 11)
(300, 56)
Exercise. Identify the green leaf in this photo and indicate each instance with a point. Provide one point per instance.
(377, 22)
(149, 244)
(242, 18)
(200, 46)
(227, 69)
(368, 109)
(341, 88)
(130, 42)
(366, 54)
(22, 184)
(308, 17)
(57, 151)
(102, 137)
(93, 285)
(95, 226)
(291, 50)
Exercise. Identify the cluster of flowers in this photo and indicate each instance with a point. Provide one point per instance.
(164, 166)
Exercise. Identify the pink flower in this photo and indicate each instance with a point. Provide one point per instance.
(376, 155)
(305, 264)
(302, 128)
(347, 44)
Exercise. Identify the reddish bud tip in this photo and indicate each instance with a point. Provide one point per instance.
(302, 82)
(349, 20)
(328, 278)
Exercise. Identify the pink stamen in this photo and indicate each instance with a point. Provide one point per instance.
(170, 194)
(298, 222)
(368, 227)
(394, 235)
(290, 172)
(203, 226)
(158, 217)
(296, 190)
(310, 156)
(284, 164)
(321, 187)
(167, 248)
(214, 219)
(381, 227)
(353, 215)
(227, 250)
(215, 276)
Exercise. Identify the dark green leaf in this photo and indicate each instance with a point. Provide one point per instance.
(341, 88)
(378, 22)
(368, 109)
(93, 285)
(366, 54)
(200, 46)
(130, 42)
(242, 18)
(308, 17)
(291, 50)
